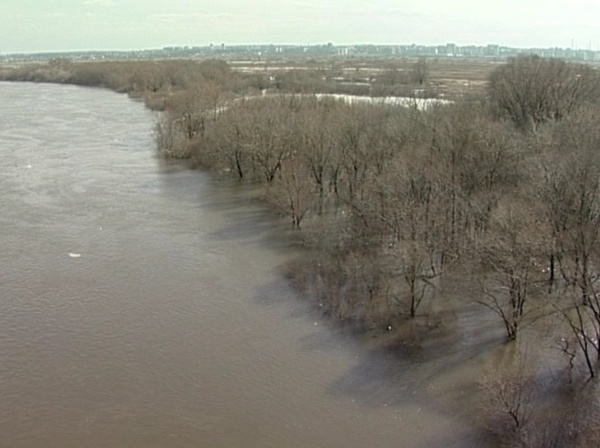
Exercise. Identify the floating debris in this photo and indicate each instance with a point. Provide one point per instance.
(74, 255)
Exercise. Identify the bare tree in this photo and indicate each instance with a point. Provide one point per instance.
(320, 148)
(509, 256)
(508, 390)
(399, 210)
(354, 150)
(168, 138)
(584, 324)
(292, 192)
(530, 90)
(419, 71)
(194, 106)
(271, 136)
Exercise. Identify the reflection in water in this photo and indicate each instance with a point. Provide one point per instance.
(173, 327)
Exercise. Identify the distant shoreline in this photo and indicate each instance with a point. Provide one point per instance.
(266, 52)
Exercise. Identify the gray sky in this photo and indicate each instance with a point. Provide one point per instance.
(55, 25)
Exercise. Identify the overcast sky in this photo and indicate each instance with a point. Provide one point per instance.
(60, 25)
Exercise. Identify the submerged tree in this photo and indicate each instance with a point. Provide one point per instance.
(292, 191)
(509, 256)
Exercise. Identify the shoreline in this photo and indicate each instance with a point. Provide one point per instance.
(429, 231)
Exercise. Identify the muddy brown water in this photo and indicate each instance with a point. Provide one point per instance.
(142, 305)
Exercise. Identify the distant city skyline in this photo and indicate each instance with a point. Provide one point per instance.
(31, 26)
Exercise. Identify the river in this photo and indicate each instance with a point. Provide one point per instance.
(142, 305)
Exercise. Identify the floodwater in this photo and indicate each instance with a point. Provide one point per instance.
(142, 305)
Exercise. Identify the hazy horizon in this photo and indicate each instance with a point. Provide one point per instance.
(30, 26)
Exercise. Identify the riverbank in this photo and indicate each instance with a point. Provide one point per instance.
(175, 326)
(418, 226)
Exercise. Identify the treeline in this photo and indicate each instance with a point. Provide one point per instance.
(155, 82)
(501, 191)
(404, 79)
